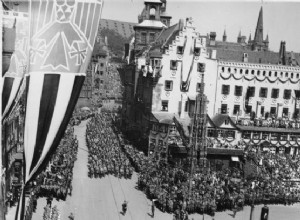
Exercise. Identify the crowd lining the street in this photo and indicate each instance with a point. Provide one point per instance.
(56, 180)
(105, 155)
(172, 187)
(216, 190)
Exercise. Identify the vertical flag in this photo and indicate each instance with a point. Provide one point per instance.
(15, 29)
(62, 36)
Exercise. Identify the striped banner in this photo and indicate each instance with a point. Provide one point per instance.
(15, 29)
(61, 44)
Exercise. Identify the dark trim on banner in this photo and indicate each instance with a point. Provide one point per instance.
(7, 87)
(47, 106)
(78, 82)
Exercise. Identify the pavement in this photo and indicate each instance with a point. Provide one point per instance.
(101, 199)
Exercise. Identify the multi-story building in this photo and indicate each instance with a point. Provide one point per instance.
(253, 93)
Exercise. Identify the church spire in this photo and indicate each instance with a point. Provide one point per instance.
(258, 38)
(224, 36)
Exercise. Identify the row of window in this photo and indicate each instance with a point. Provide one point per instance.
(263, 92)
(237, 109)
(174, 64)
(180, 50)
(264, 73)
(144, 37)
(169, 85)
(270, 136)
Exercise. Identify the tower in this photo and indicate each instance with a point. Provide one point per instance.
(150, 24)
(258, 43)
(224, 36)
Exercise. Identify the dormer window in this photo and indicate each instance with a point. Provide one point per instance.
(143, 37)
(173, 65)
(197, 51)
(180, 50)
(151, 37)
(201, 67)
(155, 63)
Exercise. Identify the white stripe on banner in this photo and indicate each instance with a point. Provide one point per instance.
(64, 92)
(13, 93)
(36, 83)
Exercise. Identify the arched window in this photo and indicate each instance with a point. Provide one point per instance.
(275, 74)
(152, 13)
(241, 71)
(264, 73)
(270, 73)
(247, 71)
(252, 72)
(258, 72)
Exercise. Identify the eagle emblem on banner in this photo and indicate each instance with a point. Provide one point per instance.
(60, 39)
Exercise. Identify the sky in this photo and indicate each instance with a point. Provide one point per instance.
(281, 19)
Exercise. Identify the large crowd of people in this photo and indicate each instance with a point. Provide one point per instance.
(270, 122)
(171, 187)
(178, 192)
(105, 153)
(56, 180)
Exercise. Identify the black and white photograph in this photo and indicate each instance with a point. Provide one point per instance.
(150, 109)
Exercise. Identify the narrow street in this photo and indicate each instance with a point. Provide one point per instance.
(94, 199)
(100, 198)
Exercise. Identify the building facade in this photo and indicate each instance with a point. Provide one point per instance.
(253, 93)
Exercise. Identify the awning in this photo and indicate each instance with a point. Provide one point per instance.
(235, 158)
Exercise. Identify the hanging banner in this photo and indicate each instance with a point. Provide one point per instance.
(15, 36)
(62, 37)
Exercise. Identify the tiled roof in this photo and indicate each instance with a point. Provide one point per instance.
(219, 119)
(184, 123)
(155, 52)
(230, 51)
(125, 29)
(167, 35)
(162, 117)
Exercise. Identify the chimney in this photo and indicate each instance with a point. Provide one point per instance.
(213, 54)
(212, 38)
(282, 53)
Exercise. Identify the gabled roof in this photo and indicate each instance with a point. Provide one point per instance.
(162, 117)
(165, 34)
(184, 123)
(219, 119)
